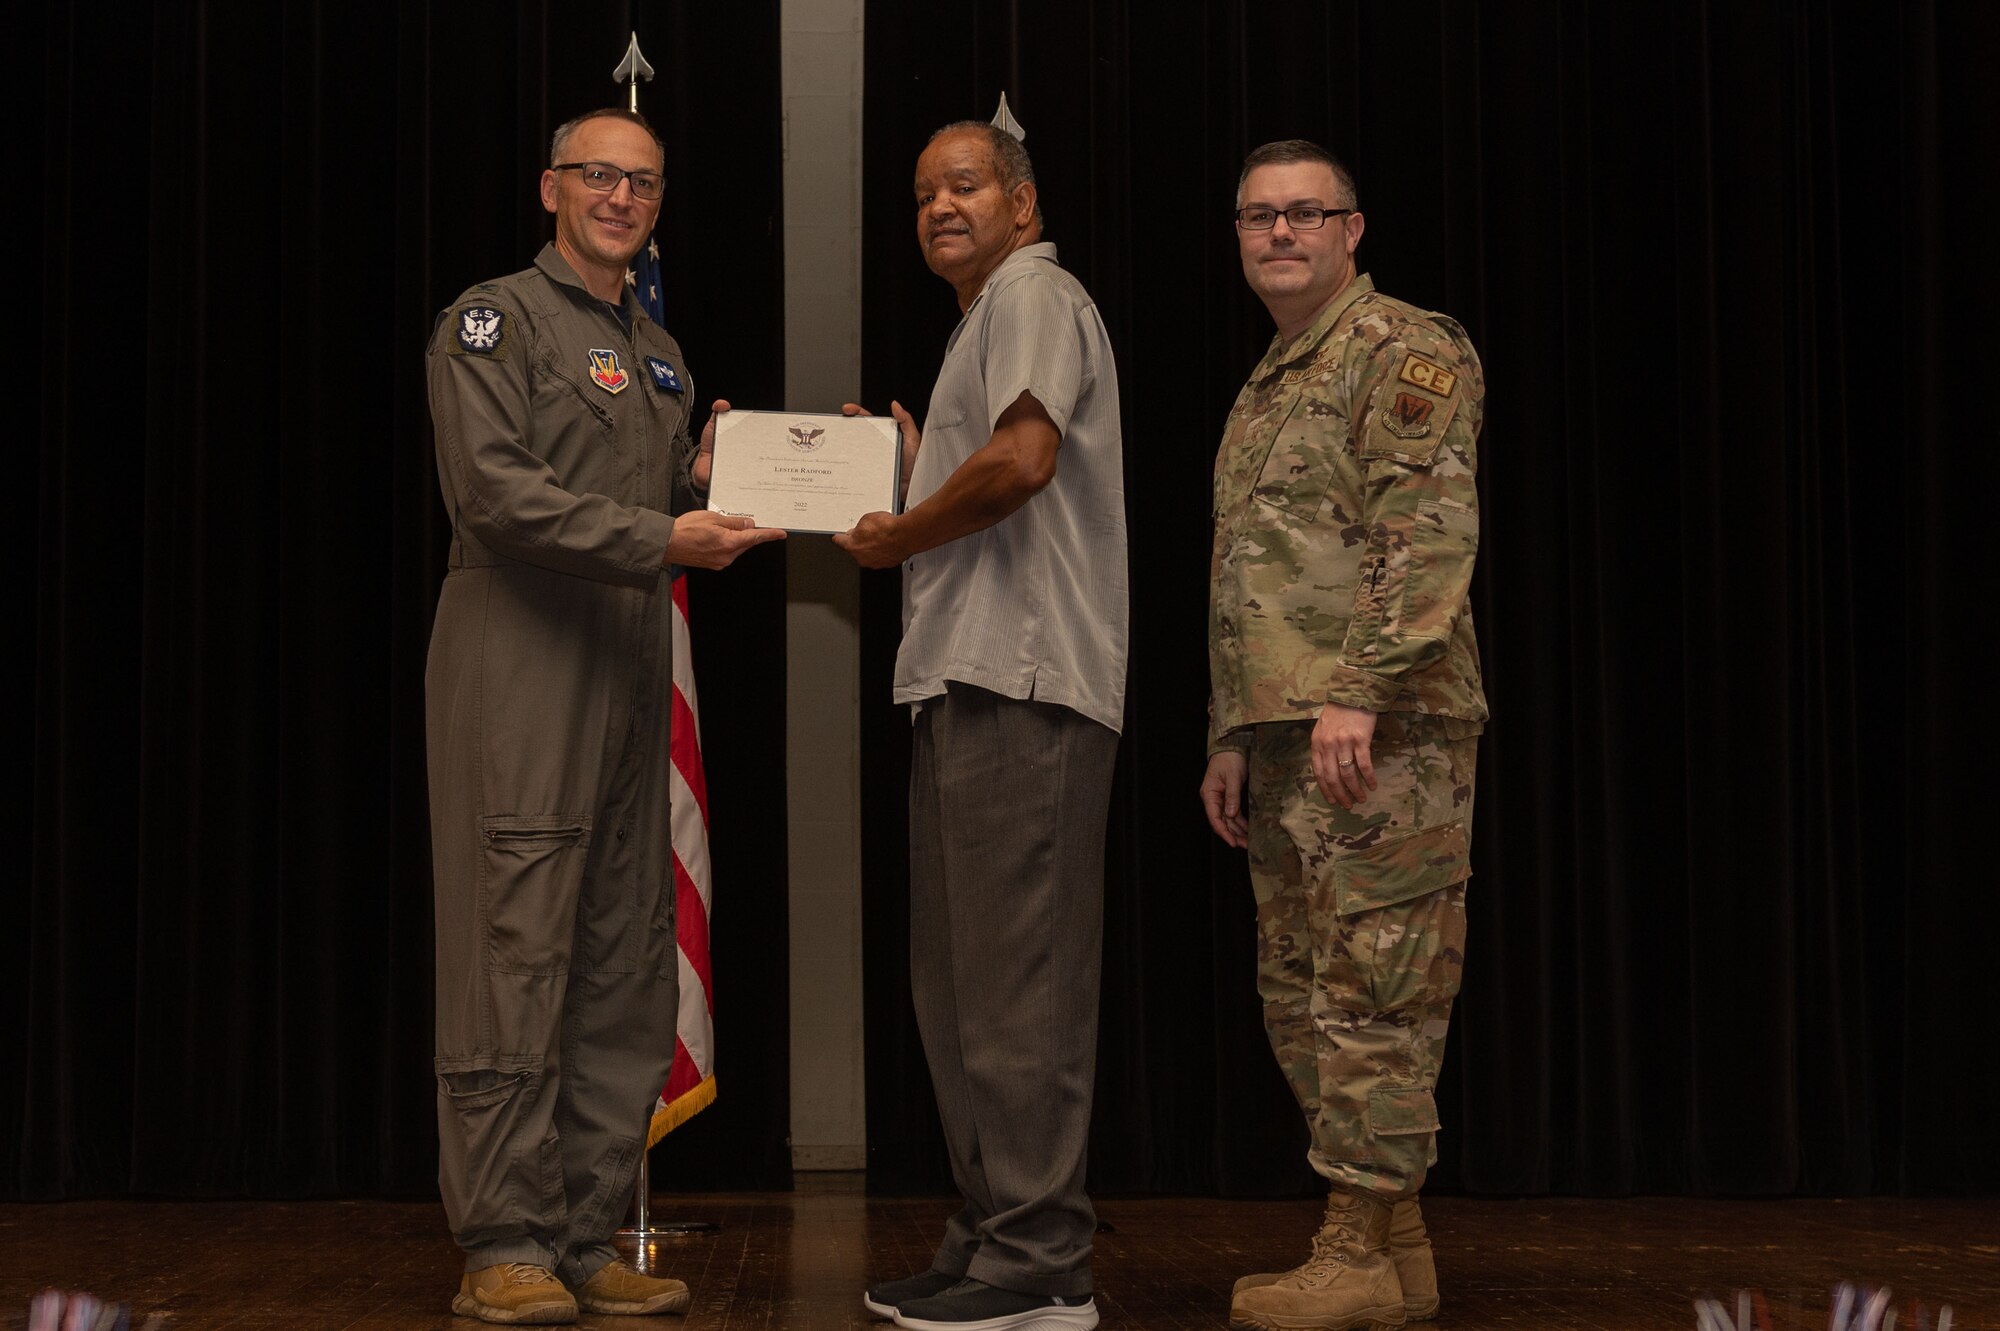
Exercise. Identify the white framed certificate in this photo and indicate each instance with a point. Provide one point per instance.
(804, 472)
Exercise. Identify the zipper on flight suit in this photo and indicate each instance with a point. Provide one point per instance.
(597, 409)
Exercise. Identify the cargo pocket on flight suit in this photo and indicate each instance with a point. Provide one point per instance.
(482, 1170)
(533, 871)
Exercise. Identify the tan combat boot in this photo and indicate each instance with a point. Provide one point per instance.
(617, 1288)
(1410, 1250)
(1347, 1282)
(514, 1292)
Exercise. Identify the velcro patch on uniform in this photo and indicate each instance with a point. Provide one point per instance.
(481, 330)
(1394, 429)
(1409, 417)
(663, 374)
(1427, 375)
(606, 372)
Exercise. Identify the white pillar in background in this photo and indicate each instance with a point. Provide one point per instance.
(821, 43)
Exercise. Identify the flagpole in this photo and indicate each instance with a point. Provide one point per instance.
(630, 70)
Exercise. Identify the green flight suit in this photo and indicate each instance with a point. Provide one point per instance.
(562, 448)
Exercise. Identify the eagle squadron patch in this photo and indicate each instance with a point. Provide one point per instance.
(480, 328)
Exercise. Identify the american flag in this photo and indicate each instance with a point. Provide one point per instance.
(690, 1084)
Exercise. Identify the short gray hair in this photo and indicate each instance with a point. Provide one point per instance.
(559, 141)
(1287, 151)
(1010, 156)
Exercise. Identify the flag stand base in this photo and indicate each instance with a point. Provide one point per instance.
(643, 1228)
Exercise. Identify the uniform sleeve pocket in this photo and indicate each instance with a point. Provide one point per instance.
(1443, 543)
(1398, 870)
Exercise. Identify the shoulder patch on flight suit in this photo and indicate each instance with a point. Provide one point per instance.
(1427, 375)
(482, 330)
(606, 372)
(663, 374)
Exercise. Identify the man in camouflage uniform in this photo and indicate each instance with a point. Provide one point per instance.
(1345, 711)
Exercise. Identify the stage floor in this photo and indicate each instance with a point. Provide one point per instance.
(798, 1261)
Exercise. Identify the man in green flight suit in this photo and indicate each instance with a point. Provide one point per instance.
(1345, 710)
(561, 414)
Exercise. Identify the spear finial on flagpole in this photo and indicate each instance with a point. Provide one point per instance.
(631, 69)
(1004, 119)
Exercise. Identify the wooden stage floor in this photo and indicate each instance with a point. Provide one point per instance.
(798, 1261)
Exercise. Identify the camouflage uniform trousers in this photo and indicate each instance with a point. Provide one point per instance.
(1361, 939)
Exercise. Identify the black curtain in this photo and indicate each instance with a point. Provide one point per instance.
(1729, 268)
(241, 221)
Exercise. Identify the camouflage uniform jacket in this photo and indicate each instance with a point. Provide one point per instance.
(1346, 521)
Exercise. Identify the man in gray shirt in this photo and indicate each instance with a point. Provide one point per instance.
(1013, 658)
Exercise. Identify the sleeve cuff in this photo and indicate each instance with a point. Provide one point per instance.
(1359, 688)
(1236, 741)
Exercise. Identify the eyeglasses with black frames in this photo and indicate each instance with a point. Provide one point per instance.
(604, 177)
(1298, 219)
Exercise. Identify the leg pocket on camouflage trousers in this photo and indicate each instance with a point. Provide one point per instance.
(530, 877)
(1402, 1111)
(1416, 960)
(1401, 868)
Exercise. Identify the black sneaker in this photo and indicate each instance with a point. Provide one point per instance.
(971, 1305)
(883, 1300)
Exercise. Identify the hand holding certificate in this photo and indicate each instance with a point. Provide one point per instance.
(807, 473)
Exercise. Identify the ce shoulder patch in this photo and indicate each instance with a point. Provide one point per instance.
(1427, 375)
(481, 330)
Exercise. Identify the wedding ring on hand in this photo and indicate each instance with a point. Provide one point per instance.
(1346, 762)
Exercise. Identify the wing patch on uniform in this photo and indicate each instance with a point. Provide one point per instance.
(1427, 375)
(1406, 427)
(663, 374)
(481, 328)
(606, 372)
(1409, 417)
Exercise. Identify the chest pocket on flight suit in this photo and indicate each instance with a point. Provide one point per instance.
(561, 382)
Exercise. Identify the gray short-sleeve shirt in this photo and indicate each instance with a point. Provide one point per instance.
(1035, 605)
